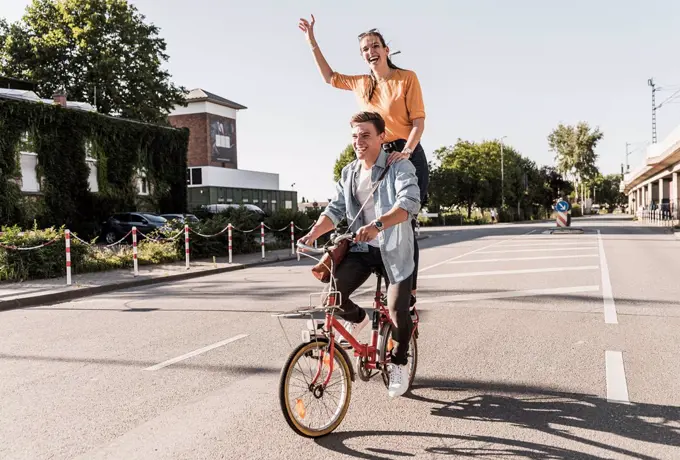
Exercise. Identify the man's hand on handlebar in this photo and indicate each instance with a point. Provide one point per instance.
(307, 240)
(367, 233)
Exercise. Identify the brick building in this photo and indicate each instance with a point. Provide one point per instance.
(213, 176)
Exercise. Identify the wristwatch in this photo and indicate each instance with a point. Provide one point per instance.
(378, 225)
(407, 151)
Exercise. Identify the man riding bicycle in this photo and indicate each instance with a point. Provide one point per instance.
(384, 236)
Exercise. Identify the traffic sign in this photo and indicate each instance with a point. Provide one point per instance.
(562, 206)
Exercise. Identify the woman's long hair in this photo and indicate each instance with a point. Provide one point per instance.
(374, 81)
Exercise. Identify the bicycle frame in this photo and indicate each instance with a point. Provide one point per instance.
(367, 350)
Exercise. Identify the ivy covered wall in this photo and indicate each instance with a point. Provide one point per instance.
(122, 148)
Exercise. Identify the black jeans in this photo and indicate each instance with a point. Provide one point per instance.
(423, 174)
(351, 273)
(419, 160)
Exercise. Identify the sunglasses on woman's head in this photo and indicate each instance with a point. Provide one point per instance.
(372, 31)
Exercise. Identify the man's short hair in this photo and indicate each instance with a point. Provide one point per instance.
(372, 117)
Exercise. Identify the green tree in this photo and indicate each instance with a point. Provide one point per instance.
(443, 191)
(606, 191)
(574, 148)
(346, 157)
(471, 166)
(92, 49)
(549, 186)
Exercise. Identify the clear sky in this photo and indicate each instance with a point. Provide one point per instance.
(488, 68)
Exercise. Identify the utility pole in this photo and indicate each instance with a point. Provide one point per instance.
(502, 176)
(650, 82)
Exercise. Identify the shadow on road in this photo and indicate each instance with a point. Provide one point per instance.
(542, 410)
(456, 446)
(224, 368)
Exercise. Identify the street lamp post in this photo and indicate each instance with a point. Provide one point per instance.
(502, 175)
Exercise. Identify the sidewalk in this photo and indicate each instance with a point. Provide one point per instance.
(50, 291)
(54, 290)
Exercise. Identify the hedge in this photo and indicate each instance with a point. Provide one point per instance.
(61, 138)
(49, 261)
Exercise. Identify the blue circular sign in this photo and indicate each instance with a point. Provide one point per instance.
(562, 206)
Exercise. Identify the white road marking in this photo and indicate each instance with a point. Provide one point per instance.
(372, 288)
(510, 294)
(617, 389)
(573, 256)
(509, 272)
(582, 248)
(195, 353)
(548, 244)
(471, 252)
(607, 294)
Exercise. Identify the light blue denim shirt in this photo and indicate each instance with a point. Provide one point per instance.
(398, 188)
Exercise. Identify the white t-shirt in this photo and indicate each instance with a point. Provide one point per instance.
(363, 194)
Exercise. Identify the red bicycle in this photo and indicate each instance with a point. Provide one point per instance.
(314, 401)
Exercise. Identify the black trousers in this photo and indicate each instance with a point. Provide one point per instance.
(419, 160)
(353, 272)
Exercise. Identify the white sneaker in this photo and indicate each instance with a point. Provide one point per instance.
(354, 329)
(398, 380)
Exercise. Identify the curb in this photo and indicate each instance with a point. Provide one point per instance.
(64, 296)
(73, 294)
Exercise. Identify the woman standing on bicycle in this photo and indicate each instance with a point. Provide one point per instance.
(392, 92)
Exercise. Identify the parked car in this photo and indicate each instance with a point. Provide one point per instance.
(118, 225)
(217, 208)
(181, 218)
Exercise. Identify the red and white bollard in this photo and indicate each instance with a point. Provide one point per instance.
(230, 244)
(186, 244)
(67, 240)
(262, 237)
(134, 251)
(292, 238)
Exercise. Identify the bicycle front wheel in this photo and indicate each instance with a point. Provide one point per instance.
(311, 409)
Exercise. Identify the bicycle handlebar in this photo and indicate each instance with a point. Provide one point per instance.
(308, 248)
(336, 240)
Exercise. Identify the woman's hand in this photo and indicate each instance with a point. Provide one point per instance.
(397, 156)
(308, 28)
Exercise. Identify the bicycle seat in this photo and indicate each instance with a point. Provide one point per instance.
(377, 272)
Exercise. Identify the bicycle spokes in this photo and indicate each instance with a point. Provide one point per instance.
(315, 389)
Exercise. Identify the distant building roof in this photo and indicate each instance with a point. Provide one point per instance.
(30, 96)
(16, 83)
(201, 95)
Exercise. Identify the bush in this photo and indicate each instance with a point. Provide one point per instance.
(282, 218)
(46, 262)
(576, 210)
(240, 219)
(49, 261)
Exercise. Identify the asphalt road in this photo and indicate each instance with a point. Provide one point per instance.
(532, 346)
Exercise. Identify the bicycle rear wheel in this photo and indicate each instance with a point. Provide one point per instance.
(385, 341)
(311, 410)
